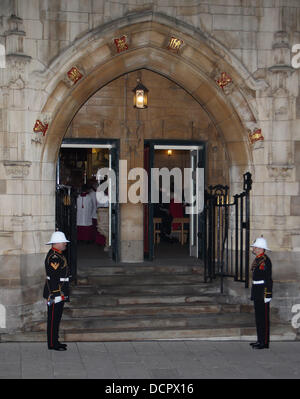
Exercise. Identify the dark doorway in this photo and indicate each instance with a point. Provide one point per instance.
(170, 227)
(97, 226)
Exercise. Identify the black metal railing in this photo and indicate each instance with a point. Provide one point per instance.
(228, 233)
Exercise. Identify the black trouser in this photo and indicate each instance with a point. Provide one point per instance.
(166, 222)
(55, 312)
(262, 319)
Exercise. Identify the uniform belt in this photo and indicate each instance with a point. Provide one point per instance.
(61, 279)
(259, 282)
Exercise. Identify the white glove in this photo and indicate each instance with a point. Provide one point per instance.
(58, 299)
(267, 300)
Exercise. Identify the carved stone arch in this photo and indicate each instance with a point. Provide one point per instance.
(196, 67)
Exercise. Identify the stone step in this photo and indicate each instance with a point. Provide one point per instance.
(279, 332)
(139, 269)
(151, 322)
(163, 334)
(91, 301)
(159, 289)
(157, 279)
(149, 310)
(83, 290)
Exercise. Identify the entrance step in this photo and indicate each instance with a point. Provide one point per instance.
(144, 279)
(141, 269)
(159, 289)
(149, 310)
(279, 332)
(117, 323)
(144, 302)
(91, 301)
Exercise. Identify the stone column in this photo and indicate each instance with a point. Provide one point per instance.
(132, 216)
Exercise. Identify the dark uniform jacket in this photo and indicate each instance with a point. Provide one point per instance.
(262, 282)
(57, 275)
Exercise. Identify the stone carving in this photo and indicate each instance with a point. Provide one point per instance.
(41, 126)
(280, 172)
(74, 75)
(175, 44)
(17, 169)
(223, 80)
(15, 57)
(121, 43)
(255, 136)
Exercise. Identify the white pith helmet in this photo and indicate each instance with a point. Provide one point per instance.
(260, 242)
(57, 236)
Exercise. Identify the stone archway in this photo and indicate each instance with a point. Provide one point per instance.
(196, 67)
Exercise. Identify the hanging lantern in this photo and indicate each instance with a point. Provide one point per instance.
(140, 98)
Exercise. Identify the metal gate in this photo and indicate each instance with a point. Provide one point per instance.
(228, 233)
(65, 221)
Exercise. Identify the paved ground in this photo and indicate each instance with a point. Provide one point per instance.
(150, 360)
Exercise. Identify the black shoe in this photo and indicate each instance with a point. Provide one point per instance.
(57, 348)
(62, 345)
(253, 343)
(258, 346)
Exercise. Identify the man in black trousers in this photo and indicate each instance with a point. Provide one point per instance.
(56, 289)
(261, 292)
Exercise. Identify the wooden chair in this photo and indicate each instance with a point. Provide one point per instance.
(156, 230)
(182, 231)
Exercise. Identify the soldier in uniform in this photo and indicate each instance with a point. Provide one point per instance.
(56, 289)
(261, 292)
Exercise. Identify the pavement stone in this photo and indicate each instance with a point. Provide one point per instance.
(150, 360)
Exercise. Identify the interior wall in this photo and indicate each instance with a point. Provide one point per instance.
(172, 113)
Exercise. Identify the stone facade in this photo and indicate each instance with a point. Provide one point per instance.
(61, 56)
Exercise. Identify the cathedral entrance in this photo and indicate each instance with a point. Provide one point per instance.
(183, 105)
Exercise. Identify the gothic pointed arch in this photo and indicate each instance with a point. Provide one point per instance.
(197, 62)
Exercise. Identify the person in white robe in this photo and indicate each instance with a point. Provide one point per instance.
(85, 211)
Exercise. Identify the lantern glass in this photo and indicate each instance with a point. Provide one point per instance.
(140, 98)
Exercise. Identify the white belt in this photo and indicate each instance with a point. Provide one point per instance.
(259, 282)
(58, 299)
(61, 279)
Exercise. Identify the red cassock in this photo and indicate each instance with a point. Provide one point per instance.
(176, 210)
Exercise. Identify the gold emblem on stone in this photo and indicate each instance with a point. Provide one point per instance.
(121, 44)
(223, 80)
(40, 127)
(74, 74)
(256, 135)
(175, 43)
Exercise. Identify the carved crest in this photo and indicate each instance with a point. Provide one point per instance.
(175, 44)
(74, 74)
(256, 135)
(40, 127)
(223, 80)
(121, 44)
